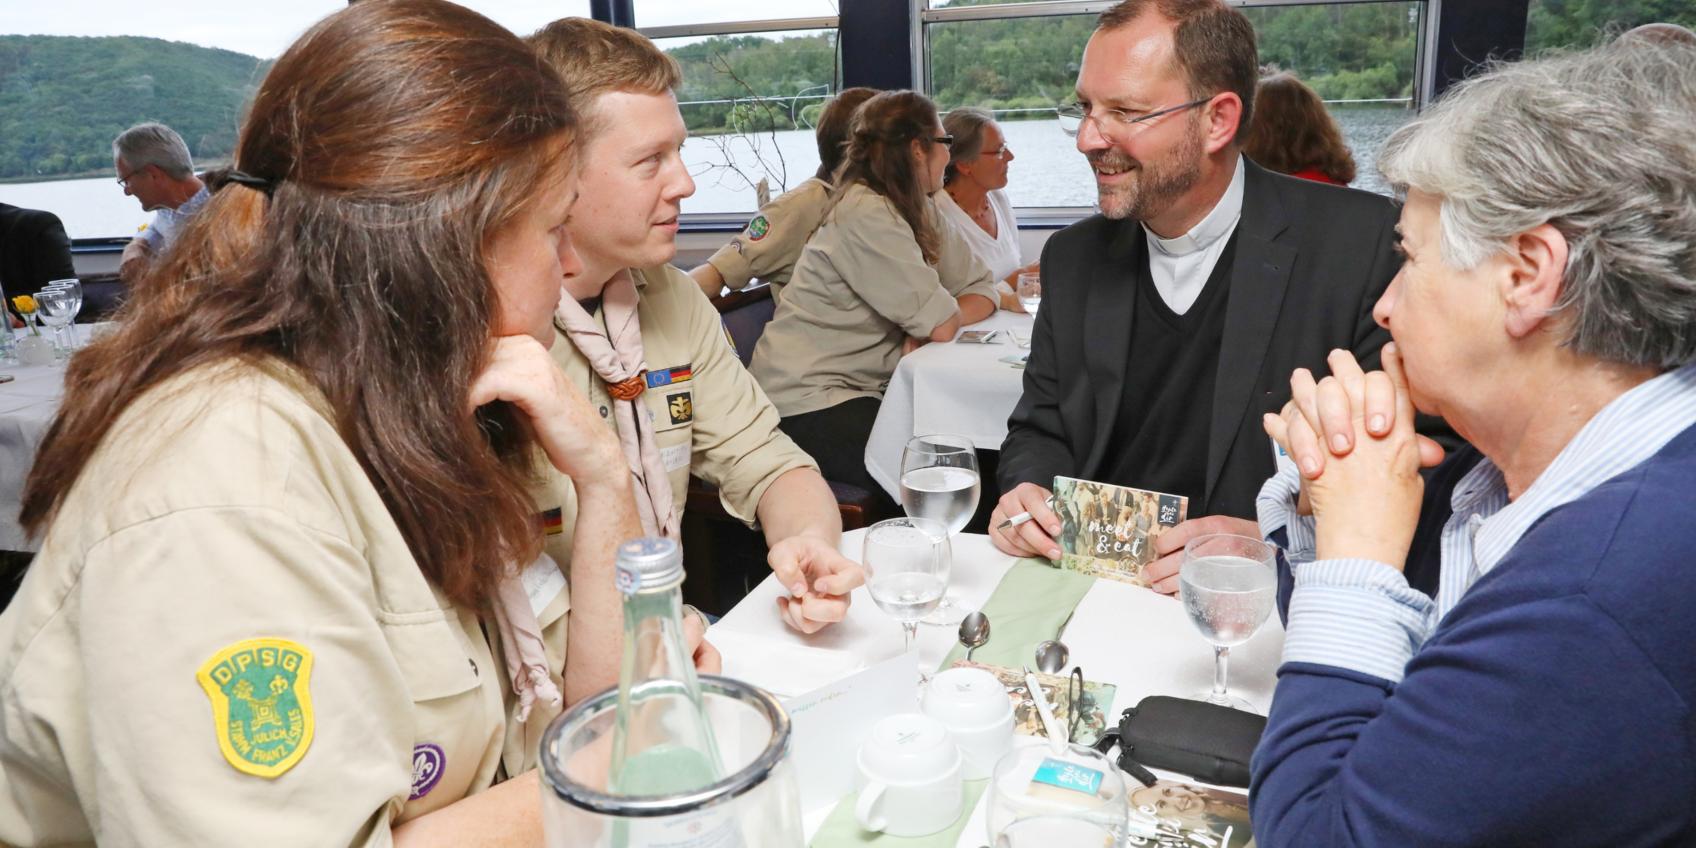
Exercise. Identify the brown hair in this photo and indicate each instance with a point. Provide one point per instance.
(594, 58)
(880, 155)
(834, 124)
(1214, 45)
(1292, 131)
(389, 145)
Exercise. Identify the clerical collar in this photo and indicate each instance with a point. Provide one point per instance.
(1219, 223)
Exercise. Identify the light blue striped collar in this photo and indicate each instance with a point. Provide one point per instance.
(1629, 430)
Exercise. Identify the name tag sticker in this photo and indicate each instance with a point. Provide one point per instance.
(543, 581)
(675, 457)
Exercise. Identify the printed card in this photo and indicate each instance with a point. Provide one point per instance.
(1108, 530)
(1171, 814)
(979, 337)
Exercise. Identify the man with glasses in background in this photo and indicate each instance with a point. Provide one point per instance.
(1171, 321)
(154, 167)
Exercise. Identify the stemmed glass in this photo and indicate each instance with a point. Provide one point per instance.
(907, 561)
(939, 481)
(1228, 584)
(1030, 291)
(73, 291)
(55, 308)
(1078, 795)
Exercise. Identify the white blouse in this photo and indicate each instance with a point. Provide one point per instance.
(1000, 253)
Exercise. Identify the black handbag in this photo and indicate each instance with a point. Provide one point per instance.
(1204, 741)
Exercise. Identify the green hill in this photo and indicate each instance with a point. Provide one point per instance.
(63, 99)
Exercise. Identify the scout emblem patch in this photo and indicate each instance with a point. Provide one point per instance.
(670, 376)
(758, 228)
(681, 408)
(261, 703)
(427, 766)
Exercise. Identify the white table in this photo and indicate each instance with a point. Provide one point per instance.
(1133, 638)
(27, 406)
(963, 389)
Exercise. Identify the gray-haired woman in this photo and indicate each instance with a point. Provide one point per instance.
(1543, 693)
(974, 200)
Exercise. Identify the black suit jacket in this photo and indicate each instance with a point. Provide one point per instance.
(1311, 260)
(33, 250)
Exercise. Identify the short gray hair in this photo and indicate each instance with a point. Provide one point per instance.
(966, 124)
(157, 145)
(1599, 144)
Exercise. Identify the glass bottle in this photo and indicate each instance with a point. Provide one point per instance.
(662, 739)
(8, 343)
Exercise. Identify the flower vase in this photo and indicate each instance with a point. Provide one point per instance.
(34, 349)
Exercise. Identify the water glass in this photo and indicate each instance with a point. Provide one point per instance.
(1030, 291)
(1052, 831)
(73, 290)
(1229, 585)
(1078, 783)
(54, 307)
(907, 561)
(939, 481)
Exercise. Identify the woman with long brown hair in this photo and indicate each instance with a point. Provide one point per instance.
(285, 507)
(882, 273)
(1293, 133)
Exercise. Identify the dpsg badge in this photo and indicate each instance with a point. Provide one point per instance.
(261, 704)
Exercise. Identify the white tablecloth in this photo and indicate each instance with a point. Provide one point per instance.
(1133, 638)
(27, 405)
(963, 389)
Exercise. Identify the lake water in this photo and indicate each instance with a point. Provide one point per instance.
(1047, 171)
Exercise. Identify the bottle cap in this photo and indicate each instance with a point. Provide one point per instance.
(649, 564)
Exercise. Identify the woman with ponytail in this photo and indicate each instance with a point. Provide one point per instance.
(883, 274)
(289, 588)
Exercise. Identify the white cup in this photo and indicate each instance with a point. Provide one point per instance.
(974, 706)
(908, 775)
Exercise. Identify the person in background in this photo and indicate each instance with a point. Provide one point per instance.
(1293, 133)
(973, 198)
(290, 586)
(154, 167)
(1545, 311)
(882, 274)
(768, 247)
(637, 336)
(1169, 321)
(33, 250)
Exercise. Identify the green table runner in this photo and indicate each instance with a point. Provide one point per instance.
(1025, 609)
(840, 829)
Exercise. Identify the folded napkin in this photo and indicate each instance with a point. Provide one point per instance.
(1026, 609)
(841, 829)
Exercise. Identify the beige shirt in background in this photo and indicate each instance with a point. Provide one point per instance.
(222, 508)
(773, 239)
(710, 418)
(860, 289)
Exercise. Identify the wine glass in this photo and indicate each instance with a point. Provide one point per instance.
(1228, 584)
(939, 481)
(1078, 784)
(55, 308)
(1030, 291)
(907, 561)
(73, 290)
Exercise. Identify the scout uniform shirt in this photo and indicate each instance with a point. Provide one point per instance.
(226, 641)
(710, 417)
(860, 288)
(773, 240)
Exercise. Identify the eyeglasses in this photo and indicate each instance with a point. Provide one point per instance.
(945, 140)
(124, 179)
(1114, 124)
(1001, 152)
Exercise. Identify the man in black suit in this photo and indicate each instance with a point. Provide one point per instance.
(1171, 321)
(33, 250)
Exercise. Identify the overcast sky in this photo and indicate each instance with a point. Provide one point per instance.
(265, 28)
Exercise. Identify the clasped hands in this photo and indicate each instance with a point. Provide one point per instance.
(1352, 439)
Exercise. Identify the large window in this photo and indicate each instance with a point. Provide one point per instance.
(75, 73)
(1361, 57)
(1584, 23)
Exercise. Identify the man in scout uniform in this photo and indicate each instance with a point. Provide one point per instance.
(649, 350)
(772, 242)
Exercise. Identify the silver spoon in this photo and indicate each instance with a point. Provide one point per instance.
(974, 631)
(1051, 655)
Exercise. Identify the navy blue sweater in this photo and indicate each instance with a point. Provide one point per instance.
(1552, 706)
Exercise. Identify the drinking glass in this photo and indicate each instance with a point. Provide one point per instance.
(907, 561)
(54, 306)
(1030, 291)
(1228, 585)
(1052, 831)
(1080, 784)
(73, 290)
(939, 481)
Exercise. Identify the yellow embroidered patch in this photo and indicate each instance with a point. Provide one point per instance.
(261, 704)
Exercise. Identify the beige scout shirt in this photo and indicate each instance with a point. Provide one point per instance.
(710, 418)
(860, 288)
(223, 530)
(773, 239)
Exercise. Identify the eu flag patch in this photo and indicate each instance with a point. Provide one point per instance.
(669, 376)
